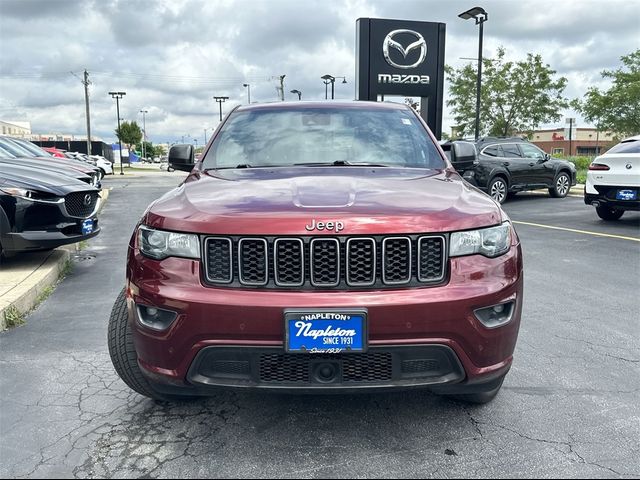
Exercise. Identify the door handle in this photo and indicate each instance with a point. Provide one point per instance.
(531, 164)
(506, 164)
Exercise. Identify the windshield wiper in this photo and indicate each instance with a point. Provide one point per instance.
(338, 163)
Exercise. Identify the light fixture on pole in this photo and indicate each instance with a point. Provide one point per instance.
(118, 96)
(297, 92)
(330, 79)
(480, 16)
(144, 132)
(220, 101)
(248, 87)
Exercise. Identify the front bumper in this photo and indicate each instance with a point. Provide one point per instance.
(417, 319)
(44, 240)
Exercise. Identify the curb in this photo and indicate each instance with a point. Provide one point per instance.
(28, 293)
(25, 296)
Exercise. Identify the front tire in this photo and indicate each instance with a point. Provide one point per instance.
(561, 186)
(498, 189)
(123, 353)
(609, 214)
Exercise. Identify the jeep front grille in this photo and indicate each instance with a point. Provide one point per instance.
(332, 263)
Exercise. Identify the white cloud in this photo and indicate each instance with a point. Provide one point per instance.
(172, 57)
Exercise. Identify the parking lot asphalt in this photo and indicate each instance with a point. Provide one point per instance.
(570, 406)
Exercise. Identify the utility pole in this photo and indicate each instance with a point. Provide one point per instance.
(118, 96)
(220, 101)
(86, 83)
(144, 131)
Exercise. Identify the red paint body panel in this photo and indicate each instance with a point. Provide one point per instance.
(222, 316)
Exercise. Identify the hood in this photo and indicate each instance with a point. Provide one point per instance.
(41, 180)
(45, 165)
(283, 201)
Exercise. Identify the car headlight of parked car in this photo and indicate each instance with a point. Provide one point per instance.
(160, 244)
(490, 242)
(32, 195)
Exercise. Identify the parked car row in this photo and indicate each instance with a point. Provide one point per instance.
(45, 201)
(104, 165)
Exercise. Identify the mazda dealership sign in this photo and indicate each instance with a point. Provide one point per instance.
(401, 57)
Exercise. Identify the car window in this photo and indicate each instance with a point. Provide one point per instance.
(37, 151)
(511, 150)
(493, 151)
(631, 146)
(531, 151)
(278, 137)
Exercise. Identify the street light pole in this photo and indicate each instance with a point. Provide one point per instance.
(118, 96)
(248, 87)
(480, 16)
(144, 132)
(220, 101)
(298, 92)
(331, 79)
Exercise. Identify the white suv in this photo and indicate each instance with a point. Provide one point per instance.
(613, 180)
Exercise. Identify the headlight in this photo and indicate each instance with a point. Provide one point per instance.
(490, 242)
(159, 244)
(31, 195)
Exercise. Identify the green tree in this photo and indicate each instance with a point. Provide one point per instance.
(129, 133)
(515, 96)
(617, 109)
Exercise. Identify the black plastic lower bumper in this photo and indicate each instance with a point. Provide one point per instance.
(37, 240)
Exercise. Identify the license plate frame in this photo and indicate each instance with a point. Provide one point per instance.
(86, 227)
(626, 194)
(327, 320)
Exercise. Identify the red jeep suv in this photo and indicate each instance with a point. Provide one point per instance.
(320, 247)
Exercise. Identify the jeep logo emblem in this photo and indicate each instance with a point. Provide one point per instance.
(331, 225)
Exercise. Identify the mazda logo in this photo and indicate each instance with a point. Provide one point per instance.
(389, 42)
(629, 166)
(87, 200)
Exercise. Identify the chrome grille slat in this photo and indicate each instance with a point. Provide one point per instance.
(396, 260)
(361, 262)
(431, 258)
(253, 264)
(325, 262)
(288, 262)
(332, 262)
(217, 254)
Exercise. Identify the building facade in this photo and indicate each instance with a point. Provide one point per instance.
(584, 141)
(16, 129)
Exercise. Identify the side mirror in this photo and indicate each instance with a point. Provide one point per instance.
(463, 155)
(545, 158)
(181, 157)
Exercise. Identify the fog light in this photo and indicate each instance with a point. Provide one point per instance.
(155, 318)
(495, 315)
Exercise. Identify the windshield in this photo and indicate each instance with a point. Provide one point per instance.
(323, 136)
(34, 149)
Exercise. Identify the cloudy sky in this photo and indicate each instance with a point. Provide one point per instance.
(172, 56)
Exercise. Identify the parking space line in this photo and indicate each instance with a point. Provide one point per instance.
(586, 232)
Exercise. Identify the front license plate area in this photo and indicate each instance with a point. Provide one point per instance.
(627, 194)
(87, 227)
(325, 331)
